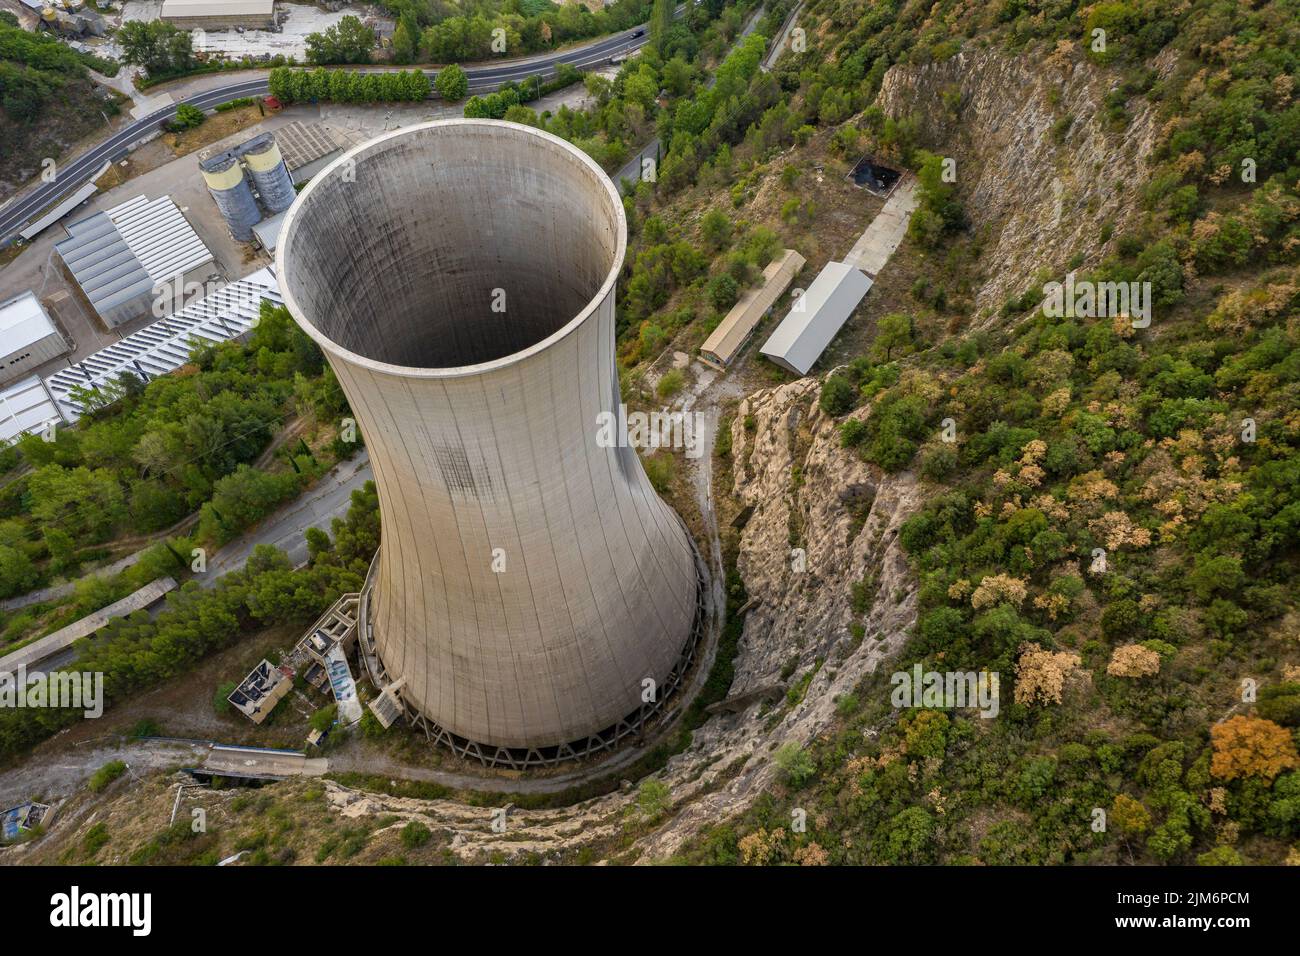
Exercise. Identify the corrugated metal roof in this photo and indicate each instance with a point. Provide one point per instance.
(129, 250)
(160, 236)
(25, 406)
(22, 322)
(816, 317)
(164, 346)
(102, 263)
(726, 340)
(303, 143)
(216, 8)
(268, 231)
(63, 208)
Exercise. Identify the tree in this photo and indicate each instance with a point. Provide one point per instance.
(927, 734)
(17, 573)
(452, 84)
(677, 75)
(715, 229)
(938, 211)
(1250, 747)
(406, 39)
(838, 395)
(1041, 674)
(84, 503)
(157, 46)
(909, 838)
(242, 498)
(892, 331)
(1129, 816)
(722, 292)
(1133, 660)
(661, 21)
(348, 41)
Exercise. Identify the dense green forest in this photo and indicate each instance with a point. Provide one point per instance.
(1128, 686)
(147, 455)
(154, 453)
(431, 31)
(47, 98)
(140, 651)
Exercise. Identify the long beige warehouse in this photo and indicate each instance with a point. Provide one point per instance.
(459, 276)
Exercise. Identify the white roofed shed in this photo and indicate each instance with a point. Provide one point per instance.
(816, 317)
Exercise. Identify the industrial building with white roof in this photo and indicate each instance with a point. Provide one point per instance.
(219, 14)
(120, 256)
(28, 337)
(164, 346)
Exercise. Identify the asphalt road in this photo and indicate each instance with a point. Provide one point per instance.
(482, 79)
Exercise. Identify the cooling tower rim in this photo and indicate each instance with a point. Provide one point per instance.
(571, 152)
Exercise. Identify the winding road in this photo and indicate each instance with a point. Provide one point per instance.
(485, 78)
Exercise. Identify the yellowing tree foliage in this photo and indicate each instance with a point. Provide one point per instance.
(1040, 674)
(1250, 747)
(1133, 660)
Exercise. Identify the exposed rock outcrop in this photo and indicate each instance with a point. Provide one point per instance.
(811, 494)
(1040, 168)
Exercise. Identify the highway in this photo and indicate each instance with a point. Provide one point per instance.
(484, 78)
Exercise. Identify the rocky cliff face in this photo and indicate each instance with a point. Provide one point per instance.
(1040, 168)
(824, 522)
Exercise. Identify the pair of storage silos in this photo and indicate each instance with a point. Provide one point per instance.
(232, 189)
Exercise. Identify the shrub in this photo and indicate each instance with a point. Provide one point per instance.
(324, 718)
(146, 727)
(838, 396)
(852, 432)
(795, 765)
(659, 468)
(220, 701)
(1280, 703)
(939, 461)
(670, 384)
(415, 835)
(187, 117)
(653, 797)
(105, 775)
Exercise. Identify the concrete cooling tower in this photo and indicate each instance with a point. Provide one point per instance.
(459, 276)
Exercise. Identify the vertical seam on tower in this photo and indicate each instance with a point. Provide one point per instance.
(478, 622)
(514, 519)
(614, 656)
(573, 629)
